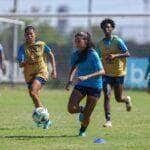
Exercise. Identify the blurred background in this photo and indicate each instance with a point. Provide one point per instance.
(58, 20)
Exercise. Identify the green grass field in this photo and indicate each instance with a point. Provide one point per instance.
(131, 130)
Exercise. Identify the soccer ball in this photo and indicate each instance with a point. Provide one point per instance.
(40, 115)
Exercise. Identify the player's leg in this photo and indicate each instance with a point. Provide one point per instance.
(76, 96)
(118, 92)
(89, 107)
(107, 95)
(92, 97)
(34, 92)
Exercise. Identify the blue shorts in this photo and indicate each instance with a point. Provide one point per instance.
(40, 79)
(113, 80)
(89, 91)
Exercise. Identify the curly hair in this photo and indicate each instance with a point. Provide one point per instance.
(29, 27)
(106, 21)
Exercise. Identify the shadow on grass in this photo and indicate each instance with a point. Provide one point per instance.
(23, 137)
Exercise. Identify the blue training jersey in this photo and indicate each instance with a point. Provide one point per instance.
(90, 65)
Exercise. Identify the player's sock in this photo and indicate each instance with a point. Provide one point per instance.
(82, 131)
(81, 109)
(81, 117)
(107, 116)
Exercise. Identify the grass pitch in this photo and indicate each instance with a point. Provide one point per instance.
(131, 130)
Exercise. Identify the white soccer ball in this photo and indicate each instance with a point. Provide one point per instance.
(40, 115)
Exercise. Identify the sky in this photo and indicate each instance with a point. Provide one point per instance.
(80, 6)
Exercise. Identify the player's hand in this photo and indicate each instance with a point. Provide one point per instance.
(53, 74)
(81, 78)
(111, 56)
(68, 85)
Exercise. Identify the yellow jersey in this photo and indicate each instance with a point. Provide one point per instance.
(34, 55)
(115, 45)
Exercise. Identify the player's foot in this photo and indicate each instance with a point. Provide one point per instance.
(83, 134)
(47, 124)
(128, 103)
(81, 117)
(107, 124)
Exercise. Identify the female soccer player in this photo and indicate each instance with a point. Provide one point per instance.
(85, 63)
(113, 52)
(31, 58)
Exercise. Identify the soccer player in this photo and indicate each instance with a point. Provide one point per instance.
(86, 71)
(31, 56)
(147, 75)
(113, 53)
(2, 57)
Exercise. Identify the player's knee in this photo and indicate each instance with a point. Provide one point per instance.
(71, 109)
(107, 97)
(33, 92)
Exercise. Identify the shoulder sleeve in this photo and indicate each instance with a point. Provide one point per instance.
(21, 54)
(96, 62)
(122, 45)
(47, 49)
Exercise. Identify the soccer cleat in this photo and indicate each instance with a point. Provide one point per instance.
(107, 124)
(47, 124)
(128, 103)
(81, 117)
(83, 134)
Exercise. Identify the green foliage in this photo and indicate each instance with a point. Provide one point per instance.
(50, 34)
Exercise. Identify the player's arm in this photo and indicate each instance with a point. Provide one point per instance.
(95, 74)
(53, 64)
(124, 51)
(72, 70)
(48, 51)
(71, 76)
(21, 57)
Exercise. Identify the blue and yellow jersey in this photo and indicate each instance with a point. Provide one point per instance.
(89, 66)
(115, 45)
(34, 55)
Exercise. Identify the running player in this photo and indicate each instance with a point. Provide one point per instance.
(31, 57)
(113, 52)
(85, 63)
